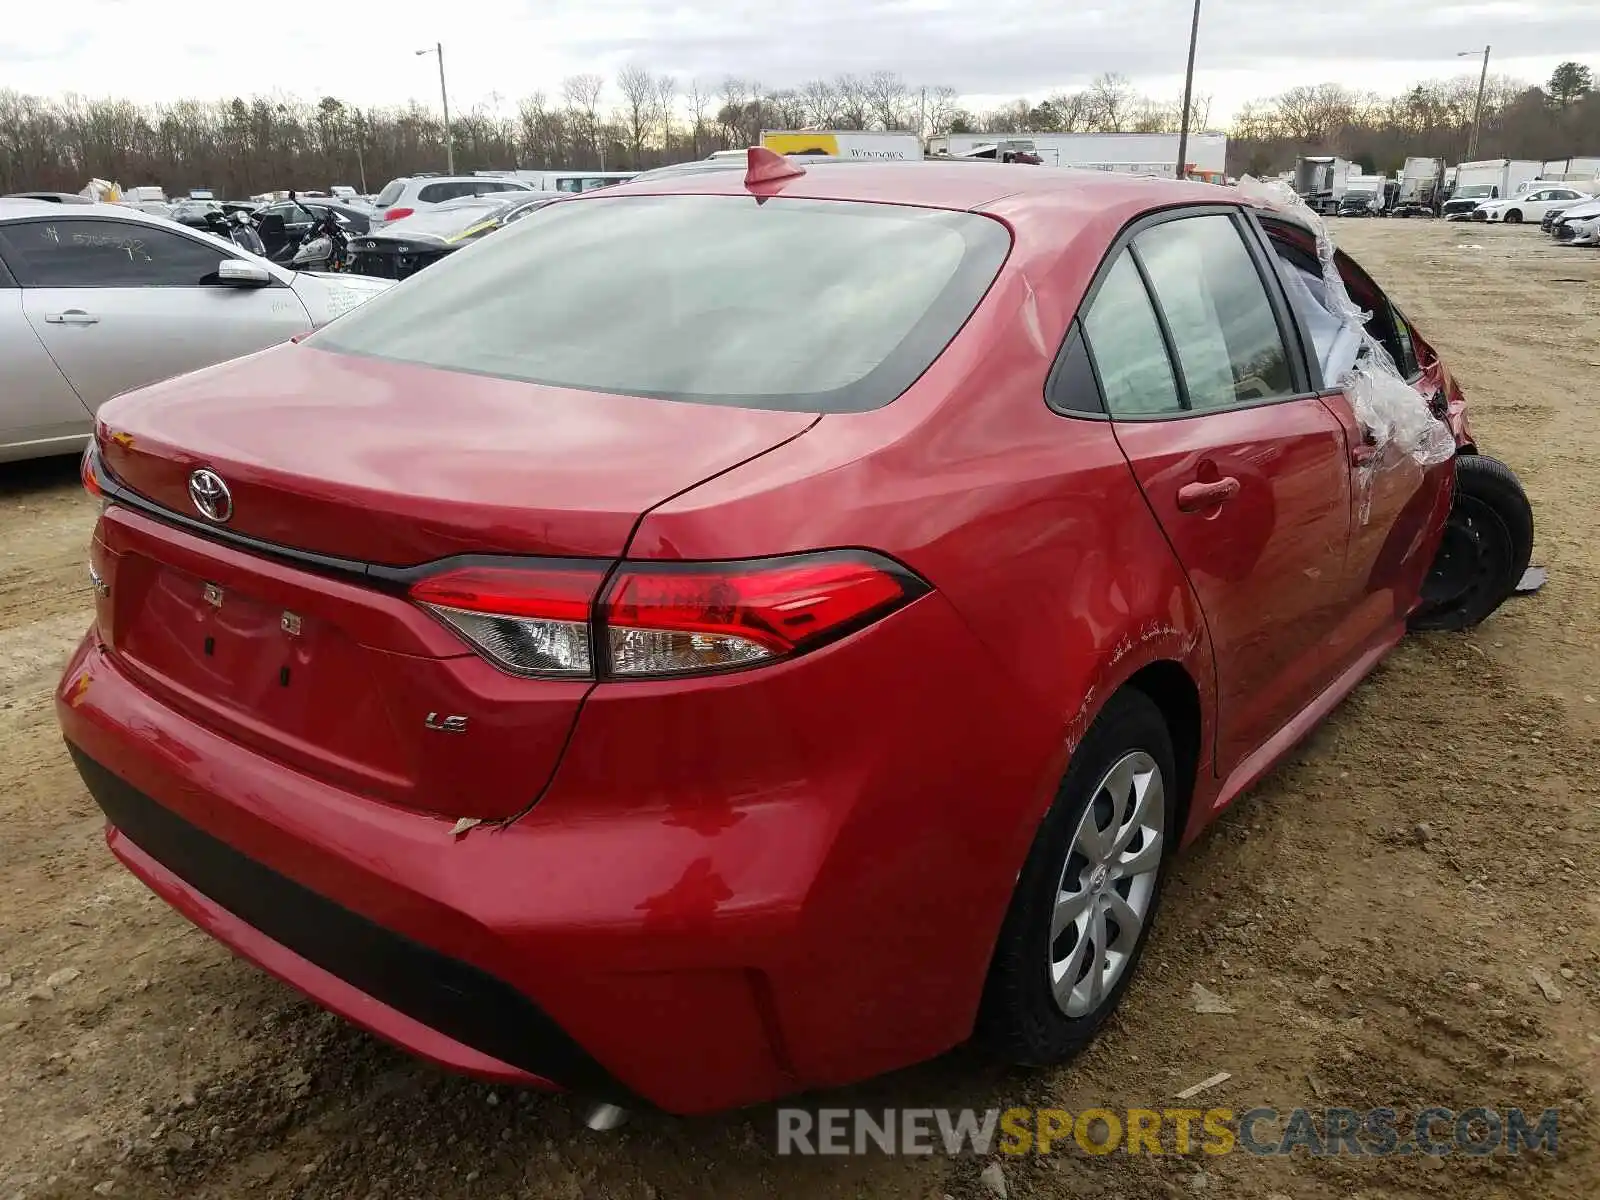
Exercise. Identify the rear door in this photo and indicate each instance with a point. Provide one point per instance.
(120, 304)
(1393, 500)
(1242, 465)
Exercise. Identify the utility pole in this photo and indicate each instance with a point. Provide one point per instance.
(444, 98)
(1483, 79)
(1188, 98)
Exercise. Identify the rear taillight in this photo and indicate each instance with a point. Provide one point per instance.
(534, 620)
(664, 619)
(89, 471)
(394, 214)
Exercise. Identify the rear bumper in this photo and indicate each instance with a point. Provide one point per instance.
(386, 983)
(770, 884)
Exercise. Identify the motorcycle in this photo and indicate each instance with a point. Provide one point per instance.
(236, 227)
(325, 246)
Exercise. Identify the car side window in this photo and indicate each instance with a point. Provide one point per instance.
(438, 193)
(79, 253)
(1226, 336)
(1125, 343)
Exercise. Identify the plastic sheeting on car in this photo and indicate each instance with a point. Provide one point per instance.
(1395, 418)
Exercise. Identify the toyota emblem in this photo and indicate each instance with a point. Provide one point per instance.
(211, 495)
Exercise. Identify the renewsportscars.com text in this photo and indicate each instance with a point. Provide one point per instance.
(1266, 1132)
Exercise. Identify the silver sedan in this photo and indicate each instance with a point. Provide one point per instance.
(97, 299)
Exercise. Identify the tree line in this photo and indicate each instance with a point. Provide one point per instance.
(642, 119)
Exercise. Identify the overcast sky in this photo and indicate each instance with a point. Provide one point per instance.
(990, 50)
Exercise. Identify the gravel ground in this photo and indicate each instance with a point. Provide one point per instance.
(1404, 914)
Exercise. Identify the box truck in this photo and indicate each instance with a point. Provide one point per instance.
(845, 143)
(1320, 181)
(1489, 179)
(1421, 190)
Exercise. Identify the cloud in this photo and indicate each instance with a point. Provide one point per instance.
(499, 50)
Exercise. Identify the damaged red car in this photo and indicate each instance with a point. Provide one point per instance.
(740, 634)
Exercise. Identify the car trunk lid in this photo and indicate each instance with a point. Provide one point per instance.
(381, 462)
(286, 628)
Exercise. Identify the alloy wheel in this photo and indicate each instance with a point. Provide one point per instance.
(1108, 885)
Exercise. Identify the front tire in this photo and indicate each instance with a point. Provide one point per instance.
(1514, 217)
(1488, 543)
(1087, 896)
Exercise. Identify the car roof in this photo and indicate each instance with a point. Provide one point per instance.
(1001, 188)
(16, 209)
(511, 181)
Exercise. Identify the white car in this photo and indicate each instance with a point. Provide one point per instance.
(404, 196)
(1585, 232)
(97, 299)
(1569, 215)
(1530, 206)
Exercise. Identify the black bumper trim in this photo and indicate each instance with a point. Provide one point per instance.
(455, 998)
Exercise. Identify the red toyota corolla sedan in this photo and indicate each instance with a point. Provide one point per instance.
(741, 634)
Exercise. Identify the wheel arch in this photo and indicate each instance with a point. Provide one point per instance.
(1168, 684)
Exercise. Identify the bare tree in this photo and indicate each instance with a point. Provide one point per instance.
(582, 94)
(1071, 111)
(821, 103)
(855, 102)
(887, 98)
(731, 116)
(665, 108)
(1110, 102)
(699, 101)
(638, 88)
(939, 110)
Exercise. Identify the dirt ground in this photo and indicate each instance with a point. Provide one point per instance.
(1376, 911)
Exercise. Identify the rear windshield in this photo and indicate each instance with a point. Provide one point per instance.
(391, 193)
(809, 305)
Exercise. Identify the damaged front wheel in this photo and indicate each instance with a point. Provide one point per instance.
(1488, 541)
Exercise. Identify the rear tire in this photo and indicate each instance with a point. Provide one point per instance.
(1488, 543)
(1066, 952)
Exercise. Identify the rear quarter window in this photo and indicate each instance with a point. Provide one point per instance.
(807, 305)
(392, 191)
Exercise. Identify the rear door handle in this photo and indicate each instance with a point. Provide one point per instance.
(1195, 497)
(72, 316)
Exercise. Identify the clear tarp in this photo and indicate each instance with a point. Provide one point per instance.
(1393, 414)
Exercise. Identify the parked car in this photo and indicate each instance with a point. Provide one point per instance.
(1581, 231)
(1531, 206)
(688, 649)
(404, 196)
(402, 248)
(49, 197)
(195, 213)
(1562, 220)
(97, 299)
